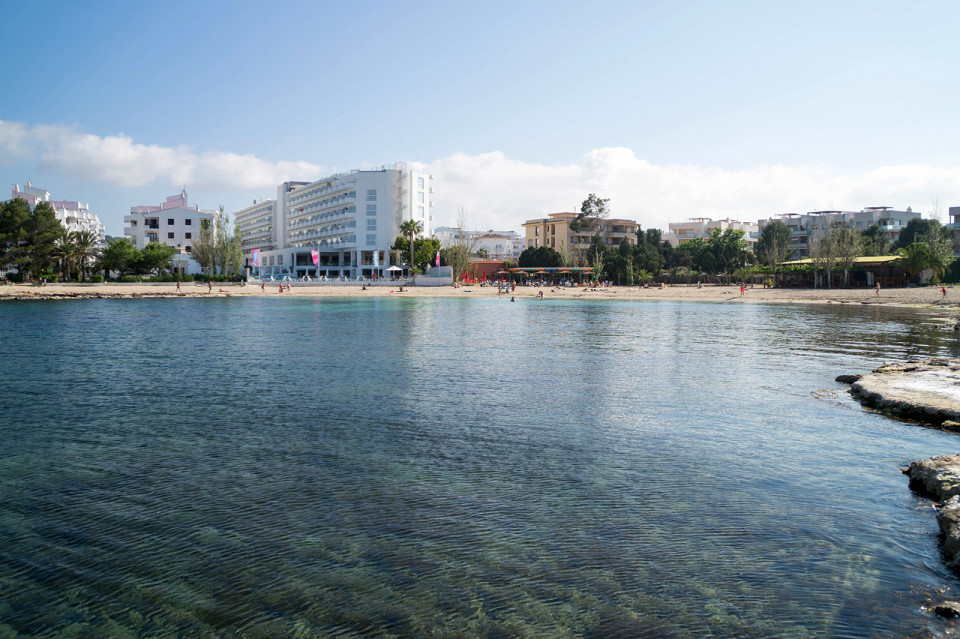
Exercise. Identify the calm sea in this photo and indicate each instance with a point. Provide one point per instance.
(458, 468)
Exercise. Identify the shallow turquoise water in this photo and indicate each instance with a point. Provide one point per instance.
(442, 467)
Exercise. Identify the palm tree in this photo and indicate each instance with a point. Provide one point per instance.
(65, 252)
(84, 248)
(411, 228)
(916, 257)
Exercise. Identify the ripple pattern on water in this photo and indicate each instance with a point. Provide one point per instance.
(405, 467)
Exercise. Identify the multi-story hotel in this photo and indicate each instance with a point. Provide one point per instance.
(701, 227)
(807, 228)
(342, 225)
(554, 232)
(174, 222)
(74, 215)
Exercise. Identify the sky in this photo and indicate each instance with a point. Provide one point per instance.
(670, 109)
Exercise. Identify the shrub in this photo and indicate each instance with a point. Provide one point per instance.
(15, 278)
(131, 278)
(96, 279)
(49, 278)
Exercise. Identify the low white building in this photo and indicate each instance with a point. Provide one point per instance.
(75, 216)
(701, 227)
(497, 245)
(340, 226)
(174, 223)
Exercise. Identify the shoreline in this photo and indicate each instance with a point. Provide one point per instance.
(925, 297)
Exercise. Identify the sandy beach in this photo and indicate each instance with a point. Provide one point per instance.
(920, 296)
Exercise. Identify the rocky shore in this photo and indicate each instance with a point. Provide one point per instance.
(924, 390)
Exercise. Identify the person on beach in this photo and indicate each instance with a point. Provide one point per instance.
(877, 289)
(263, 287)
(743, 288)
(943, 290)
(288, 287)
(281, 287)
(178, 286)
(209, 286)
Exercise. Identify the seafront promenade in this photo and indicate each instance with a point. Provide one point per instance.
(915, 296)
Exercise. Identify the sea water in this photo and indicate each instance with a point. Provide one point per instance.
(271, 467)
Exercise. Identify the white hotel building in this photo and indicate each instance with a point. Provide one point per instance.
(350, 219)
(74, 215)
(174, 222)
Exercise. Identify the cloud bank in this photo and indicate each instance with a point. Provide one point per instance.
(499, 192)
(119, 161)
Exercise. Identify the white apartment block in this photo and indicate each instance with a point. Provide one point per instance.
(701, 227)
(807, 228)
(498, 245)
(74, 215)
(174, 222)
(349, 220)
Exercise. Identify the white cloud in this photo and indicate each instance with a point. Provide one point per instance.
(119, 161)
(501, 192)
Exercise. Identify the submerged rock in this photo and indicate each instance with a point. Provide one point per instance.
(946, 609)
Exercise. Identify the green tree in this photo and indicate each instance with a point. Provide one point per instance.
(626, 251)
(65, 254)
(155, 257)
(85, 249)
(14, 221)
(120, 255)
(43, 229)
(729, 249)
(915, 257)
(593, 211)
(425, 252)
(543, 256)
(411, 228)
(847, 246)
(875, 241)
(916, 229)
(205, 246)
(773, 246)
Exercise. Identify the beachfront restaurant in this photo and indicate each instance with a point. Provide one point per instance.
(551, 275)
(865, 273)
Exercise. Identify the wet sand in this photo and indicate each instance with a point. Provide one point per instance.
(919, 296)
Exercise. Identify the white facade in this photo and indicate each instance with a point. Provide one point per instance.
(807, 228)
(350, 219)
(498, 245)
(73, 215)
(701, 227)
(174, 223)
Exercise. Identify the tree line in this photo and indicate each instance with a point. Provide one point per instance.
(921, 245)
(36, 246)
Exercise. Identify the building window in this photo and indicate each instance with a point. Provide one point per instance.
(279, 259)
(371, 225)
(152, 237)
(169, 221)
(371, 239)
(170, 236)
(371, 195)
(536, 231)
(420, 199)
(420, 183)
(187, 222)
(371, 209)
(188, 235)
(188, 249)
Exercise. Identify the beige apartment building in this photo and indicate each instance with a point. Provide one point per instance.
(554, 232)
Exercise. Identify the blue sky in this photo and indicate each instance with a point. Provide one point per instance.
(670, 109)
